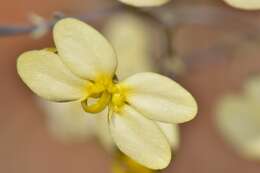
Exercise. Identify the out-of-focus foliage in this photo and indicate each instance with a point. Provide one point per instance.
(244, 4)
(238, 119)
(144, 3)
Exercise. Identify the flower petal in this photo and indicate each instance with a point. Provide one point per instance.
(140, 138)
(244, 4)
(239, 122)
(160, 98)
(48, 77)
(144, 3)
(251, 89)
(86, 52)
(68, 122)
(252, 149)
(132, 41)
(171, 131)
(102, 130)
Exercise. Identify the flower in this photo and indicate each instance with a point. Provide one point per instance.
(83, 70)
(144, 3)
(238, 120)
(244, 4)
(132, 41)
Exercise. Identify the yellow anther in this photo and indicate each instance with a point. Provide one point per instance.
(99, 106)
(94, 90)
(118, 100)
(107, 92)
(97, 88)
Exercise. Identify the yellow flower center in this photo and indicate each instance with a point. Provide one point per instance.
(107, 92)
(105, 89)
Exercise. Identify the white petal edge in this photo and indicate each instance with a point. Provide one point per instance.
(160, 98)
(83, 49)
(48, 77)
(140, 138)
(144, 3)
(244, 4)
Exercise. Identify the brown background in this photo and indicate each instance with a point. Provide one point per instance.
(215, 67)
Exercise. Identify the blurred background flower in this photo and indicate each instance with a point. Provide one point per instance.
(244, 4)
(216, 43)
(238, 119)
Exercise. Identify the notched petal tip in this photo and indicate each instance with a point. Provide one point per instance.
(44, 73)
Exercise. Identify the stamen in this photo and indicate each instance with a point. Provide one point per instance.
(99, 106)
(118, 100)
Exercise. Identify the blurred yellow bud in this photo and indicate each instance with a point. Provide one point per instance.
(124, 164)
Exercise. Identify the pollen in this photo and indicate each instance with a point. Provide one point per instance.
(118, 101)
(107, 92)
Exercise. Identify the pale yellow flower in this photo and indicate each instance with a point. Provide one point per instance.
(144, 3)
(238, 119)
(244, 4)
(84, 69)
(132, 41)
